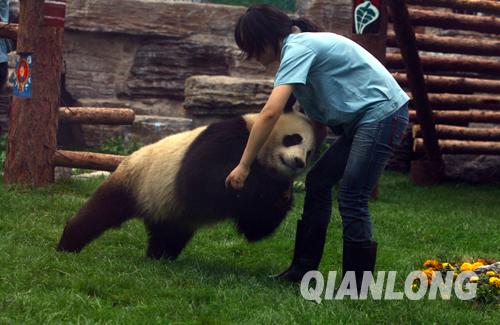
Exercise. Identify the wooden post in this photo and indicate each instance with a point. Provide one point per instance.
(431, 169)
(33, 121)
(373, 38)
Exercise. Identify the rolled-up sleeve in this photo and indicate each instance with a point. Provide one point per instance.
(295, 64)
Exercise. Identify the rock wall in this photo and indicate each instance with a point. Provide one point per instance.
(140, 56)
(332, 16)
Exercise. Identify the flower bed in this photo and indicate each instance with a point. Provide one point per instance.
(487, 276)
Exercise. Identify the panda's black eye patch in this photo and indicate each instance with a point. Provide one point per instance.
(292, 140)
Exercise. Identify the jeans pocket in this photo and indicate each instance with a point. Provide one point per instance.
(400, 121)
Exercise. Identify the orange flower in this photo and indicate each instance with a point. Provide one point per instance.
(429, 272)
(482, 260)
(432, 263)
(476, 265)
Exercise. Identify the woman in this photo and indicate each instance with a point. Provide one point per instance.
(342, 86)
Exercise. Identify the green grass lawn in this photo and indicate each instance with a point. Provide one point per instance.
(222, 279)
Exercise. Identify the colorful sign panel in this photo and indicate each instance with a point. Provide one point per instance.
(366, 16)
(22, 82)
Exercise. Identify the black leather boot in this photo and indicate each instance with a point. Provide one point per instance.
(309, 244)
(359, 257)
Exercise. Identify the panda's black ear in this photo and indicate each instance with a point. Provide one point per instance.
(289, 104)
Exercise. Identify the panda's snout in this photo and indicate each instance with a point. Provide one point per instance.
(299, 163)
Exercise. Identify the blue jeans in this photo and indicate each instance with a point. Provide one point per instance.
(359, 161)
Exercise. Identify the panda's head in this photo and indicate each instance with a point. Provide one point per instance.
(290, 146)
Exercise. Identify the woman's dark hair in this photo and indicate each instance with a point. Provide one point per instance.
(265, 25)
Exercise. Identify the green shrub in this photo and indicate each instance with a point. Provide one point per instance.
(3, 150)
(119, 146)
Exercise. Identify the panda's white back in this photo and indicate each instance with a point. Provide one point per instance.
(151, 172)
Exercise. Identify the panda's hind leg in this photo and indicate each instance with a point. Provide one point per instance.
(110, 206)
(166, 239)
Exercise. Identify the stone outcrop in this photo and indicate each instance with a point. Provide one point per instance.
(151, 18)
(224, 95)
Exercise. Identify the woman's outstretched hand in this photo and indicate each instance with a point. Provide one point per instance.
(236, 179)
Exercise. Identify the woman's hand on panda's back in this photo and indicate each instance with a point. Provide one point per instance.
(259, 133)
(236, 179)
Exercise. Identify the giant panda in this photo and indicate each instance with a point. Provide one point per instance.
(176, 185)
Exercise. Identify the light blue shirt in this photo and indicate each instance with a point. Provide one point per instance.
(337, 82)
(4, 43)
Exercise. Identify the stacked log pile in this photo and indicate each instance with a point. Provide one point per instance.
(461, 73)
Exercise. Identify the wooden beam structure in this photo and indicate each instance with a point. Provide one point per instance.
(461, 133)
(96, 115)
(449, 20)
(87, 160)
(462, 147)
(454, 84)
(33, 121)
(407, 44)
(485, 6)
(9, 30)
(443, 63)
(446, 44)
(461, 116)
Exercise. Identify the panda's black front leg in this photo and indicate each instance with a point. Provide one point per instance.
(166, 239)
(260, 220)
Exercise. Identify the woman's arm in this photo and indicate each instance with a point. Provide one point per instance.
(259, 133)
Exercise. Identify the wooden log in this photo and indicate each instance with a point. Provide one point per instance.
(8, 30)
(33, 122)
(461, 116)
(445, 44)
(96, 115)
(436, 63)
(461, 133)
(454, 84)
(448, 20)
(87, 160)
(461, 147)
(486, 6)
(458, 101)
(407, 44)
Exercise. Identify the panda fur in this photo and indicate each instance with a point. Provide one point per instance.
(176, 185)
